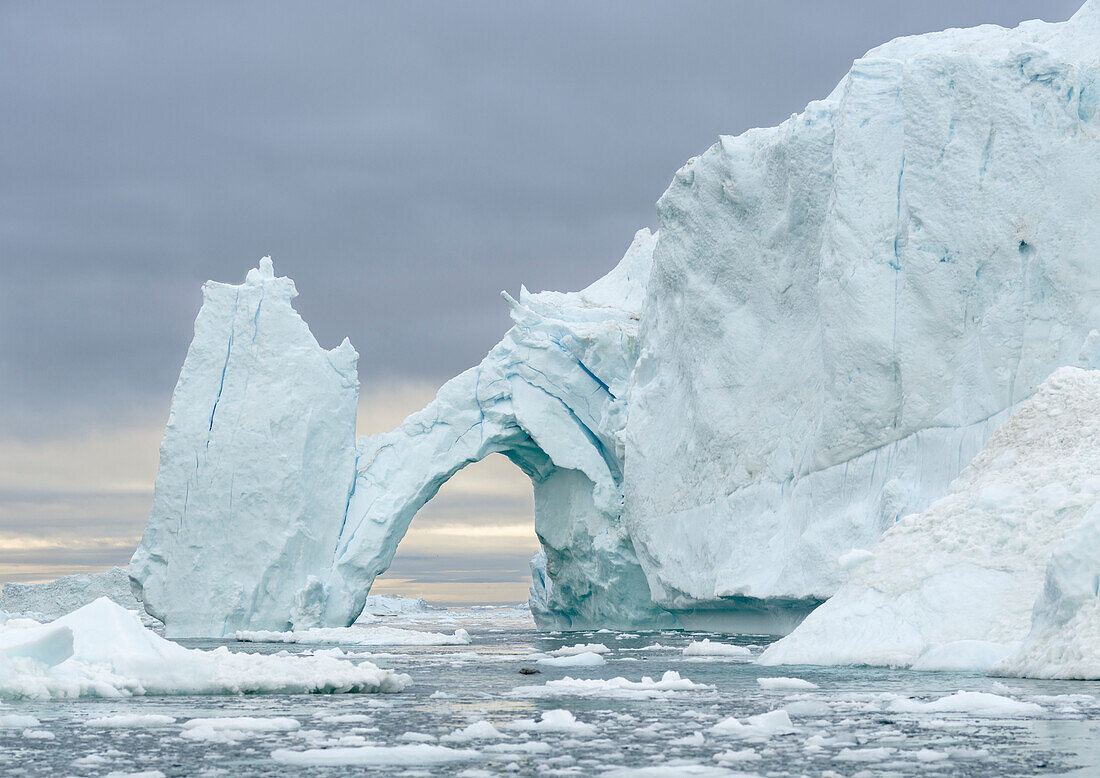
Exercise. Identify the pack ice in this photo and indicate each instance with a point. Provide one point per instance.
(832, 318)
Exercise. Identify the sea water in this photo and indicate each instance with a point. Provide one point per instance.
(851, 722)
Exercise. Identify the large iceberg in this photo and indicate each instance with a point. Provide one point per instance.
(832, 318)
(843, 308)
(953, 587)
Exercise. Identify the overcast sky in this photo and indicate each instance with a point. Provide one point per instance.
(403, 162)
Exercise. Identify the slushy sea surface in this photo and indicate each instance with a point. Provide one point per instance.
(857, 722)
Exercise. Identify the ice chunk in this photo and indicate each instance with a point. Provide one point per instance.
(705, 648)
(479, 730)
(613, 688)
(132, 720)
(953, 588)
(419, 754)
(557, 720)
(790, 684)
(230, 729)
(580, 648)
(586, 659)
(973, 703)
(114, 655)
(358, 636)
(763, 725)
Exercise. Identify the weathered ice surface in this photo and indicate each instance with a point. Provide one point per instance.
(53, 599)
(548, 397)
(842, 308)
(953, 587)
(255, 467)
(1064, 641)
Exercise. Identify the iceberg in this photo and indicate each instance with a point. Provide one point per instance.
(953, 587)
(103, 650)
(831, 320)
(842, 309)
(256, 465)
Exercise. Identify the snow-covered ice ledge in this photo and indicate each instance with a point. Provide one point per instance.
(832, 319)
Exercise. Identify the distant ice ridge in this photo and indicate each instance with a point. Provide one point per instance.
(102, 650)
(51, 600)
(954, 587)
(833, 317)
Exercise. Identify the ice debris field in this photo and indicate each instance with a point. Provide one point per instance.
(663, 703)
(840, 404)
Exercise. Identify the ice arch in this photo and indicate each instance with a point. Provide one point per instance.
(548, 398)
(268, 514)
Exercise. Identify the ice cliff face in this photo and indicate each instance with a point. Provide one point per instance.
(842, 308)
(255, 467)
(837, 314)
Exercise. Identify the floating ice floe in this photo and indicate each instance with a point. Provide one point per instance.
(230, 729)
(479, 730)
(619, 688)
(705, 647)
(132, 721)
(580, 648)
(763, 725)
(557, 720)
(583, 659)
(358, 636)
(794, 684)
(103, 650)
(418, 754)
